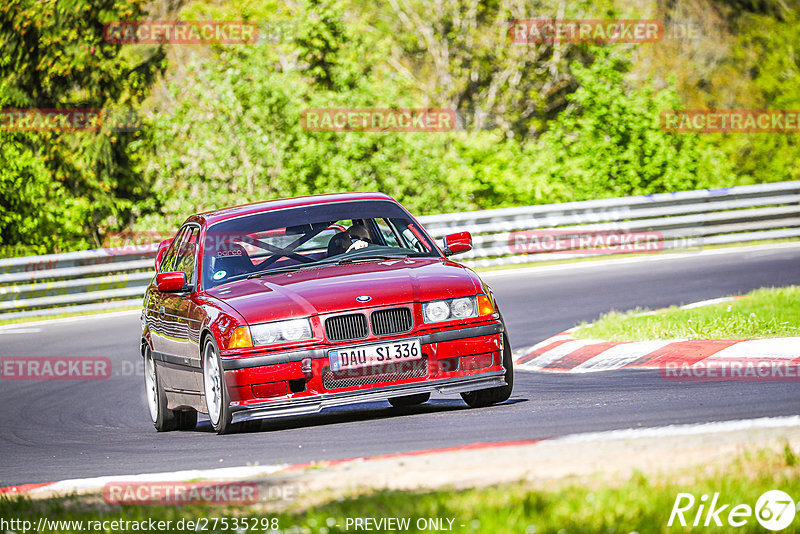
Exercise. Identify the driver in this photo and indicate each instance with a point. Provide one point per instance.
(359, 237)
(354, 238)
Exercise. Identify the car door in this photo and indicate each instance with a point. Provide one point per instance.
(179, 336)
(155, 305)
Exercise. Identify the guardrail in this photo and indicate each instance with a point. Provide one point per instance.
(116, 277)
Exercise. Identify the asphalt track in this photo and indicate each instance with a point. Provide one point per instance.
(54, 430)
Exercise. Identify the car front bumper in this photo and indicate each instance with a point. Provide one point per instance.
(316, 403)
(456, 360)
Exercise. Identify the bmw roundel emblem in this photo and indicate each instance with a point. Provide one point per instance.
(363, 298)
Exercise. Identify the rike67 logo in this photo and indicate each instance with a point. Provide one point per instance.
(774, 510)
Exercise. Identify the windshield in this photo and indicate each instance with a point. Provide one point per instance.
(310, 236)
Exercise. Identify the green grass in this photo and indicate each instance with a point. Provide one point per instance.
(764, 313)
(639, 504)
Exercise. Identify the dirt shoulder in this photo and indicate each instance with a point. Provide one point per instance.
(589, 459)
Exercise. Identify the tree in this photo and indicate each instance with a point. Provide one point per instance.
(55, 57)
(461, 56)
(609, 142)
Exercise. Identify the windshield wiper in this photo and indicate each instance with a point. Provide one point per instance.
(287, 269)
(371, 257)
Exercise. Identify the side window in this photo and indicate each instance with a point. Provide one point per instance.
(168, 263)
(186, 255)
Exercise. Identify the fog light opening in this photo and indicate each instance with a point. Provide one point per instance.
(297, 385)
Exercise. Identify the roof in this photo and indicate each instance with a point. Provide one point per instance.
(215, 216)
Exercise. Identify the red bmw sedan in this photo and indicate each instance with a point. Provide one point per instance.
(291, 306)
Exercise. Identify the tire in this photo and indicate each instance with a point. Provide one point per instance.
(487, 397)
(215, 391)
(409, 400)
(164, 419)
(186, 419)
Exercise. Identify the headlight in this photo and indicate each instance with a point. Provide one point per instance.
(451, 309)
(436, 311)
(281, 332)
(462, 308)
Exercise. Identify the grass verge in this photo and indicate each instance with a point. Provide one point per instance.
(639, 504)
(763, 313)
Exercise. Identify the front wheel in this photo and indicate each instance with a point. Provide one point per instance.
(487, 397)
(217, 400)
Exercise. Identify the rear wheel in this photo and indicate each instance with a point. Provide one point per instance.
(217, 400)
(487, 397)
(410, 400)
(164, 419)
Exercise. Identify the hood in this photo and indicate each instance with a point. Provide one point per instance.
(334, 288)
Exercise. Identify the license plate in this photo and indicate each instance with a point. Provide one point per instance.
(367, 355)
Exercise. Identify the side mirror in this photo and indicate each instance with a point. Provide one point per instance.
(162, 249)
(171, 282)
(457, 243)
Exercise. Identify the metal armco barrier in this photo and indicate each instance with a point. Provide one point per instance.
(116, 277)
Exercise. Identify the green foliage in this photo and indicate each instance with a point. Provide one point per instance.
(266, 153)
(742, 55)
(460, 56)
(55, 57)
(537, 123)
(609, 142)
(768, 49)
(37, 214)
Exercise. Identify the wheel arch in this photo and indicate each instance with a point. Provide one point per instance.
(145, 343)
(204, 335)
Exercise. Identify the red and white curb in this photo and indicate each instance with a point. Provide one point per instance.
(565, 353)
(523, 449)
(86, 485)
